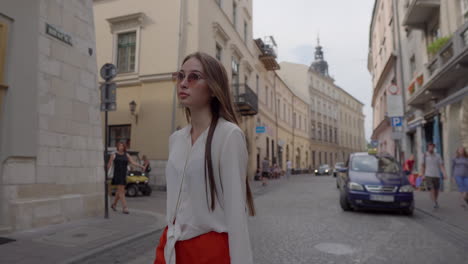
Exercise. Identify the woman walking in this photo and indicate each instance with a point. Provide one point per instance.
(207, 188)
(460, 173)
(120, 160)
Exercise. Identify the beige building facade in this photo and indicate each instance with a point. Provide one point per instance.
(335, 119)
(51, 152)
(382, 62)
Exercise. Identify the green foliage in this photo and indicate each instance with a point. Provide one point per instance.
(437, 44)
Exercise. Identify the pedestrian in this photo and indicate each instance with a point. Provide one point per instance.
(288, 169)
(208, 193)
(431, 166)
(146, 164)
(120, 160)
(265, 168)
(408, 166)
(258, 174)
(460, 173)
(276, 171)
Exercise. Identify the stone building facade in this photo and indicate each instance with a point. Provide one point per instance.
(51, 168)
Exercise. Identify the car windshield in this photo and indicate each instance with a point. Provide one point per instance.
(374, 164)
(324, 167)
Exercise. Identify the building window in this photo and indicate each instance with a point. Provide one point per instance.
(119, 133)
(257, 83)
(235, 72)
(266, 95)
(126, 52)
(245, 31)
(312, 130)
(234, 14)
(267, 147)
(300, 122)
(464, 9)
(325, 134)
(219, 51)
(3, 53)
(319, 131)
(294, 120)
(284, 111)
(271, 98)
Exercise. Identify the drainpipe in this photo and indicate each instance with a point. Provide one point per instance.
(179, 57)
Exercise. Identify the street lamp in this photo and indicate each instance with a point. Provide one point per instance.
(133, 106)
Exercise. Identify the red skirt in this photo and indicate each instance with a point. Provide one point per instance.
(209, 248)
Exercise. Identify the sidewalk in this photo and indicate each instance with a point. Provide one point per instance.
(449, 211)
(70, 242)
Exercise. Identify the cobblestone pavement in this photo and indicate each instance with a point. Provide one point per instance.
(300, 221)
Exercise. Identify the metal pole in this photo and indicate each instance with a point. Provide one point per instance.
(106, 197)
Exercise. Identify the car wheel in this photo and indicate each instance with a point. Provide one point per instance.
(147, 190)
(344, 202)
(409, 211)
(132, 191)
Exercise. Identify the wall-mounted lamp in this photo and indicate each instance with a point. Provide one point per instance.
(133, 112)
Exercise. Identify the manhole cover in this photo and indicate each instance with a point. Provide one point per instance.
(80, 235)
(334, 248)
(4, 240)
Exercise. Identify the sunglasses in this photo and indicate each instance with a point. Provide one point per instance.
(191, 77)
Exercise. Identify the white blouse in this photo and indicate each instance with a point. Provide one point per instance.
(193, 218)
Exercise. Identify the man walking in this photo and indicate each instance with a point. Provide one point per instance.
(288, 168)
(431, 166)
(265, 170)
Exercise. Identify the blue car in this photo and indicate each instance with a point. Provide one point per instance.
(374, 182)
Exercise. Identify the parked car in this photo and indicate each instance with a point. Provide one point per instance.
(374, 182)
(324, 169)
(337, 167)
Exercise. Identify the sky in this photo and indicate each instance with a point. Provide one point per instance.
(343, 27)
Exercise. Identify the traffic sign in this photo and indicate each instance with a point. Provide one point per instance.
(397, 121)
(260, 129)
(108, 71)
(108, 92)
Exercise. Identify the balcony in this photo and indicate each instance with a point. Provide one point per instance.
(268, 54)
(419, 12)
(446, 68)
(245, 99)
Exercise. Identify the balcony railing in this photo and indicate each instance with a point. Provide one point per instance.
(269, 53)
(245, 99)
(419, 12)
(447, 66)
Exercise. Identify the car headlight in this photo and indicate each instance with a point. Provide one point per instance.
(406, 188)
(137, 182)
(355, 186)
(326, 170)
(146, 181)
(316, 171)
(143, 174)
(131, 174)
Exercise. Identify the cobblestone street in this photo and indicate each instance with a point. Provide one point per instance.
(300, 221)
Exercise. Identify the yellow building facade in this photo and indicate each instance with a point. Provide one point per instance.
(147, 43)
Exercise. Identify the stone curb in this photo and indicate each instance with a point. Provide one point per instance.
(153, 229)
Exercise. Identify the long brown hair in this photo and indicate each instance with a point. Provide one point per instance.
(221, 106)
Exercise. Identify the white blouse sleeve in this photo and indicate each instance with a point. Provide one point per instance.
(233, 170)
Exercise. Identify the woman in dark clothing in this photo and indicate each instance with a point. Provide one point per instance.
(120, 159)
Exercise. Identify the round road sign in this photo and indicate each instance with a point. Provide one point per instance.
(108, 71)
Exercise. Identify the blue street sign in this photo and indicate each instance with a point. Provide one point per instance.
(260, 130)
(374, 143)
(397, 121)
